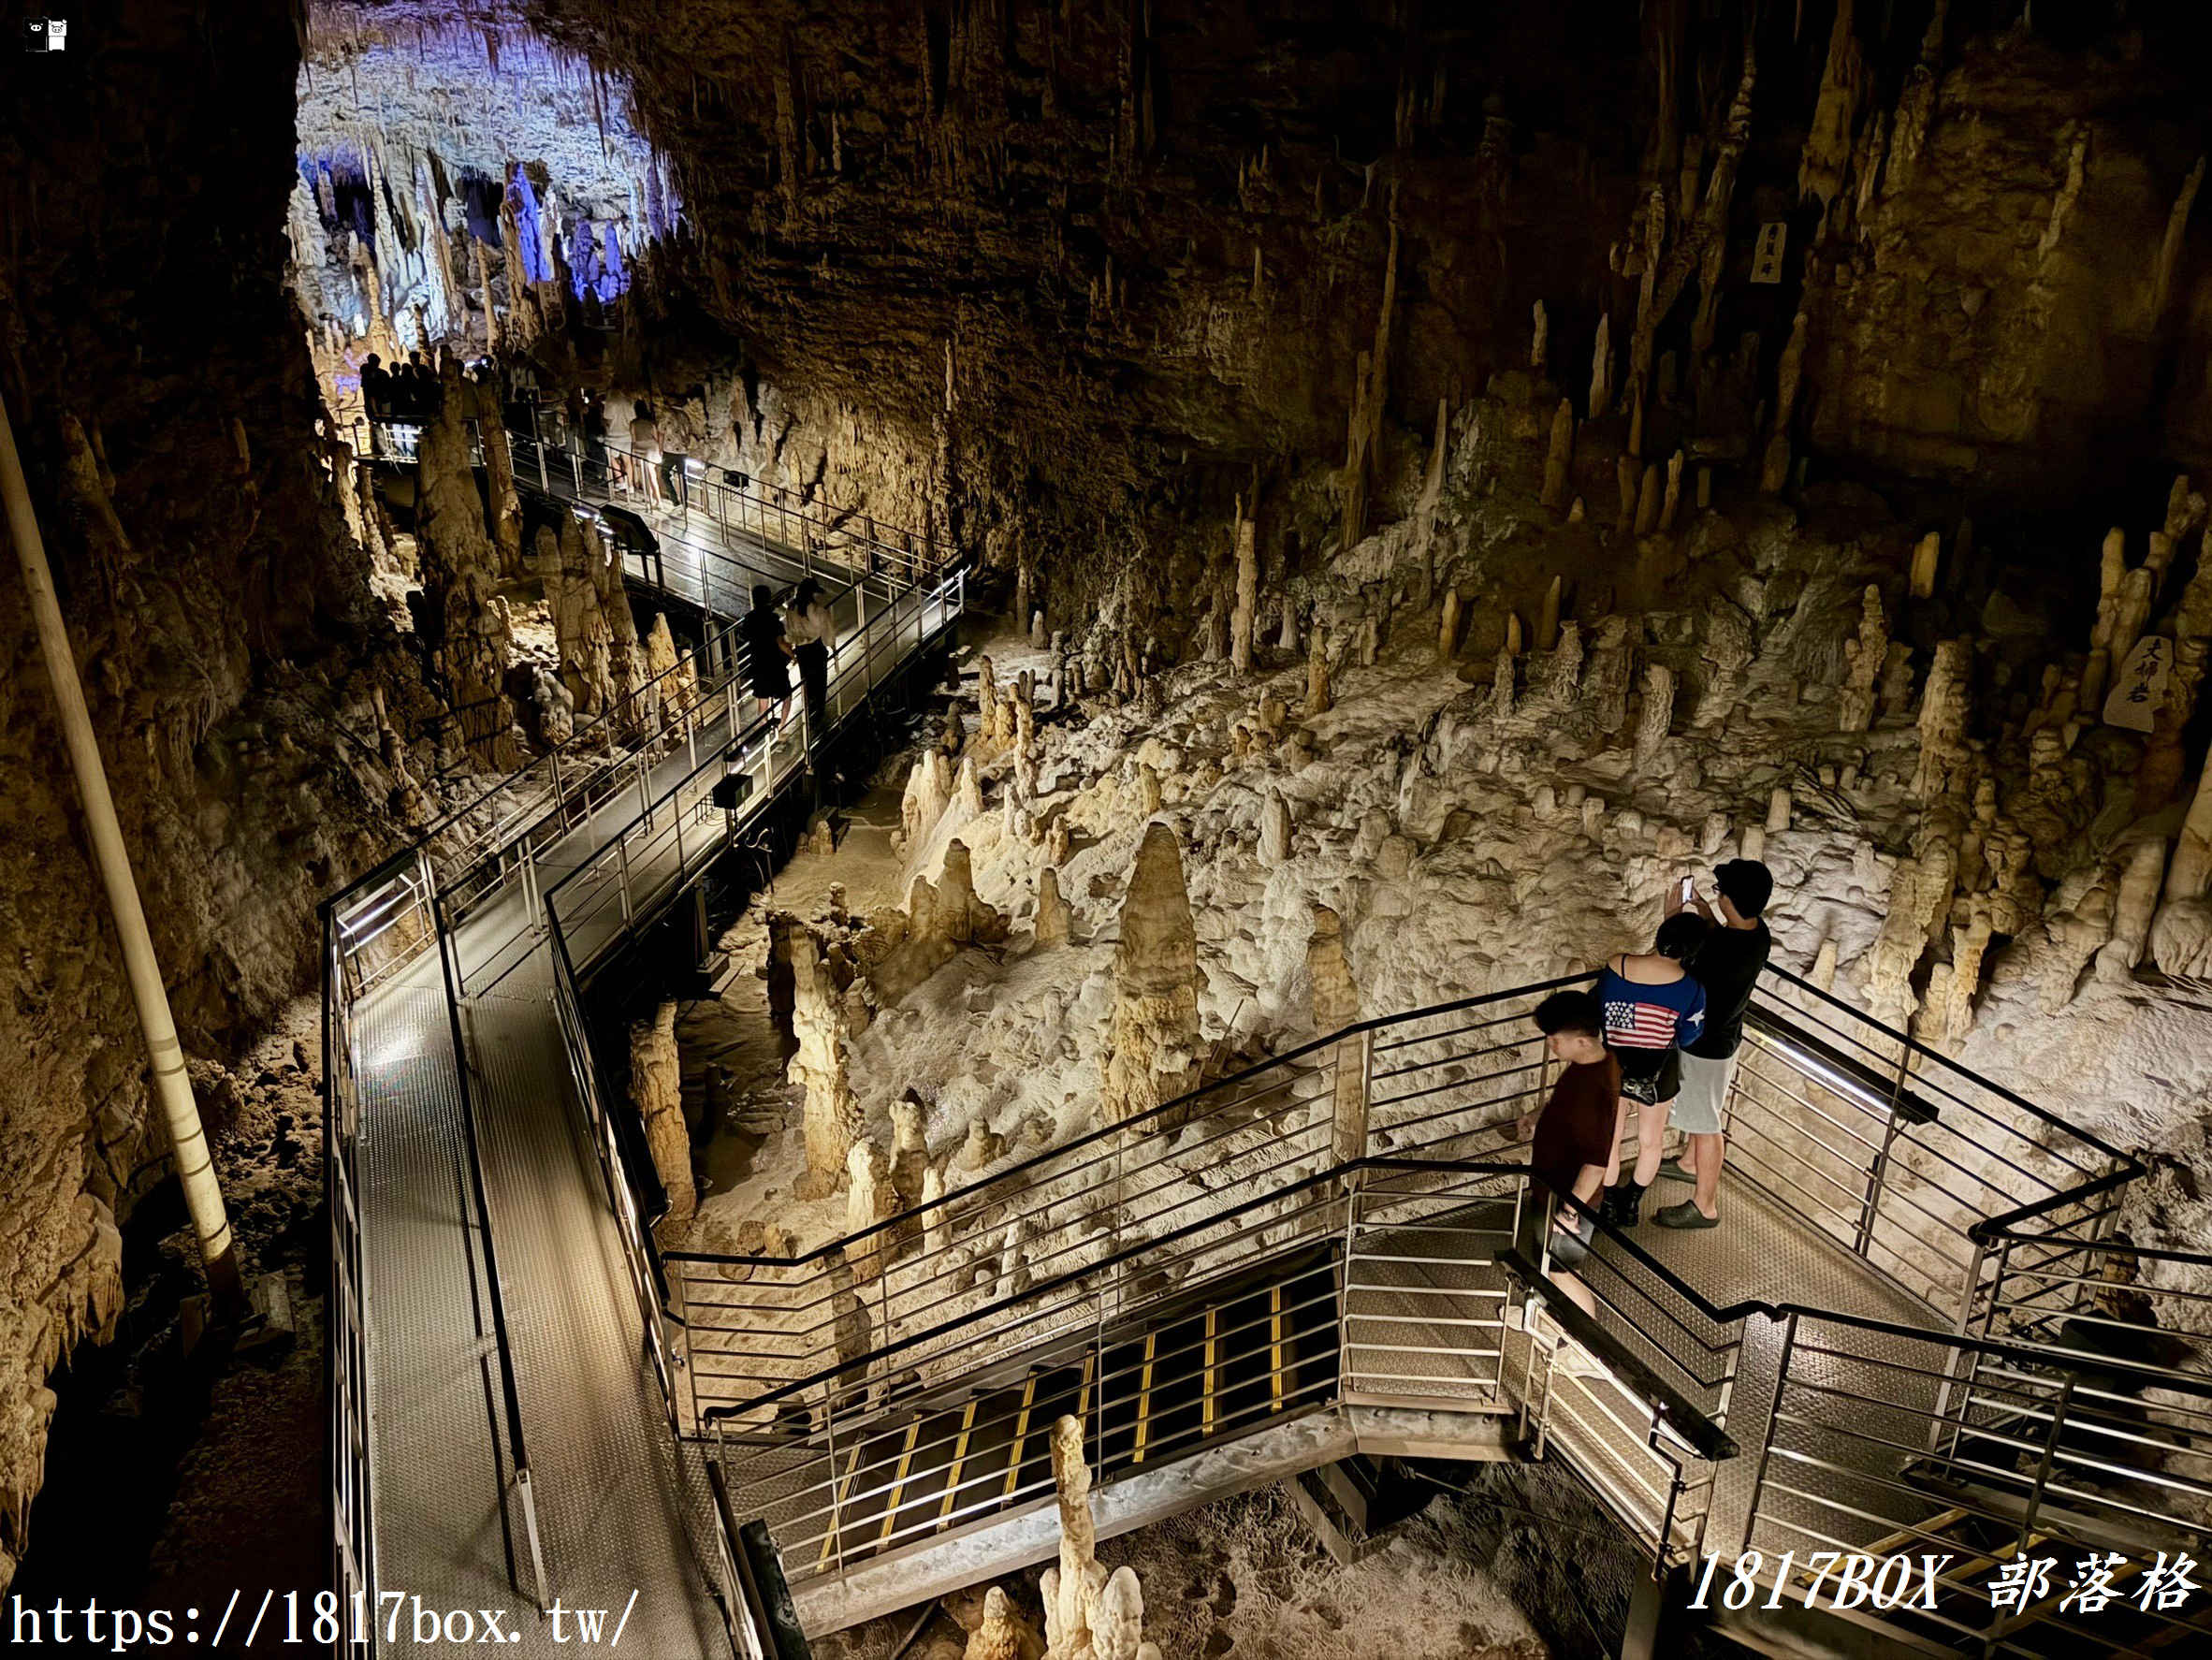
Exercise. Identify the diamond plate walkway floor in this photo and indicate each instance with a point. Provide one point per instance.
(617, 1511)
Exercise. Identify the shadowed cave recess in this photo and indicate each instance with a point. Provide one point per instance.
(1428, 478)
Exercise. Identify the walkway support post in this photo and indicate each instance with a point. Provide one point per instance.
(173, 1086)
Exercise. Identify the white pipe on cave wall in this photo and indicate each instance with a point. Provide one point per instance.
(172, 1085)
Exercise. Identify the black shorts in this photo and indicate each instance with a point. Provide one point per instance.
(1649, 1076)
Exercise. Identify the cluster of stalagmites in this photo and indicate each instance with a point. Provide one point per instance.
(1090, 1614)
(2000, 808)
(607, 681)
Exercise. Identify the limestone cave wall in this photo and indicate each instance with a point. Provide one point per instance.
(158, 381)
(1076, 275)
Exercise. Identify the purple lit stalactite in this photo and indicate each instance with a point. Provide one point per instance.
(530, 234)
(595, 262)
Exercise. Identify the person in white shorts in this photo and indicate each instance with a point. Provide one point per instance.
(1728, 961)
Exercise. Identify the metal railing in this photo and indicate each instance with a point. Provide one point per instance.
(757, 1323)
(353, 1572)
(843, 540)
(817, 1377)
(1892, 1150)
(367, 932)
(628, 874)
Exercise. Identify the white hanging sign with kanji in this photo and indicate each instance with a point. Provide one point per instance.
(2139, 689)
(1767, 252)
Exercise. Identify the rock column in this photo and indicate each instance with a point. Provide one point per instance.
(1153, 1049)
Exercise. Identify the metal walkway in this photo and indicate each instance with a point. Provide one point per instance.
(501, 1394)
(1905, 1339)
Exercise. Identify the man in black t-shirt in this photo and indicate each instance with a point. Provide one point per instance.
(1727, 962)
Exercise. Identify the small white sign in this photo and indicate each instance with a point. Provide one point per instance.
(2139, 689)
(1766, 257)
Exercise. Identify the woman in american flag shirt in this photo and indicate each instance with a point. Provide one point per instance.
(1652, 1007)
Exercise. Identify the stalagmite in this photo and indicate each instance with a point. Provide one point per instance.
(1919, 895)
(1372, 383)
(1672, 505)
(1447, 629)
(1647, 500)
(1540, 342)
(1778, 809)
(1152, 1042)
(1501, 683)
(981, 1146)
(1559, 456)
(2131, 613)
(1566, 680)
(1611, 668)
(2072, 937)
(1037, 637)
(2190, 876)
(929, 792)
(986, 698)
(1953, 1015)
(1547, 615)
(910, 1151)
(461, 572)
(968, 792)
(1925, 555)
(1774, 468)
(1601, 368)
(1000, 1635)
(1054, 918)
(2112, 571)
(2134, 905)
(656, 1090)
(1824, 965)
(869, 1199)
(1247, 602)
(937, 1222)
(1627, 477)
(1944, 705)
(1658, 712)
(1336, 1006)
(1863, 658)
(1275, 830)
(2159, 773)
(832, 1120)
(1071, 1589)
(1319, 698)
(1117, 1624)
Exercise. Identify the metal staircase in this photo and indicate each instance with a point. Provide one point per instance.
(1884, 1351)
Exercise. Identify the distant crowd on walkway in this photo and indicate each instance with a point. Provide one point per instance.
(1656, 1037)
(408, 391)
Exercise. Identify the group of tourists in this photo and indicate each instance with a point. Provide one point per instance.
(1658, 1035)
(407, 391)
(803, 633)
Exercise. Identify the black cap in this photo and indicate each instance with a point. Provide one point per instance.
(1745, 883)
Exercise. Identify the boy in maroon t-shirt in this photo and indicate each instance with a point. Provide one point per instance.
(1574, 1130)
